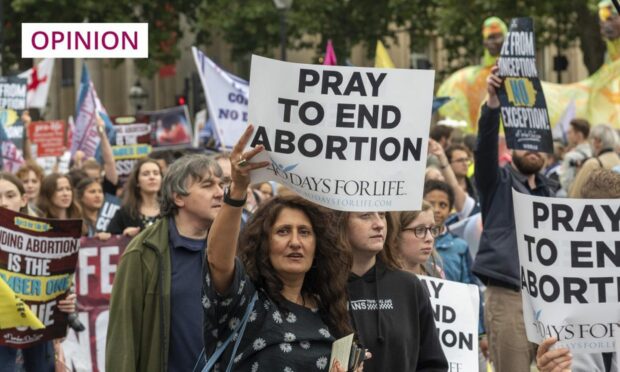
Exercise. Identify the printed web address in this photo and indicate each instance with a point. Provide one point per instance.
(356, 203)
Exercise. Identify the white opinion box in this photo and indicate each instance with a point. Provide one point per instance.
(85, 40)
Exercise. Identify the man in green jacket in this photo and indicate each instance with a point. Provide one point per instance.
(155, 320)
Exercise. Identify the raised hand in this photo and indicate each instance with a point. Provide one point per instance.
(26, 119)
(241, 166)
(494, 82)
(434, 148)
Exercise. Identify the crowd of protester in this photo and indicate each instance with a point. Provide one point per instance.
(165, 303)
(209, 250)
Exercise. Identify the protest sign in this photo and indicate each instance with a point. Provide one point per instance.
(171, 128)
(569, 254)
(227, 99)
(93, 281)
(55, 164)
(13, 92)
(11, 140)
(12, 127)
(523, 107)
(37, 261)
(47, 138)
(201, 136)
(455, 308)
(346, 138)
(133, 141)
(470, 230)
(12, 157)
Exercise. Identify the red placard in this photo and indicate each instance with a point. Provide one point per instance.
(97, 265)
(48, 136)
(37, 260)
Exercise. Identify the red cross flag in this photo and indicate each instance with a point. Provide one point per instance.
(39, 78)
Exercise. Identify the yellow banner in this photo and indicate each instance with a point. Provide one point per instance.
(36, 288)
(382, 58)
(136, 151)
(14, 312)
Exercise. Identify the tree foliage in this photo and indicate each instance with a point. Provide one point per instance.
(252, 26)
(557, 22)
(162, 16)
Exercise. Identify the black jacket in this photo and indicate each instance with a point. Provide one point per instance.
(392, 315)
(123, 219)
(497, 261)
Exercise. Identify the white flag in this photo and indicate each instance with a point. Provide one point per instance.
(39, 78)
(561, 127)
(227, 99)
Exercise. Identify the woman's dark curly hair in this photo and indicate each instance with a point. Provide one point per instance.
(325, 282)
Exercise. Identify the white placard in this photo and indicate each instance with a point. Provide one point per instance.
(227, 99)
(569, 253)
(456, 311)
(347, 138)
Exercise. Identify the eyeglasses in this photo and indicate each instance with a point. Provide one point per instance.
(420, 231)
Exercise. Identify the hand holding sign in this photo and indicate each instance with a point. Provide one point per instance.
(68, 304)
(494, 82)
(558, 360)
(240, 165)
(100, 125)
(26, 119)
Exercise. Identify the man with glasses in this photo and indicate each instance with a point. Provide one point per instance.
(459, 158)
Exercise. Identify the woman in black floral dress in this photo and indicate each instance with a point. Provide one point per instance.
(289, 258)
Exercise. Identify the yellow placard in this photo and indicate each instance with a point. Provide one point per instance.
(14, 312)
(36, 288)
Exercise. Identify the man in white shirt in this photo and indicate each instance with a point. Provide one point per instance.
(577, 136)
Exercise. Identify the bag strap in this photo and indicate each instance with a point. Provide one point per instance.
(240, 335)
(239, 330)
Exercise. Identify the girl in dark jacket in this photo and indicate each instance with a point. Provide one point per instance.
(389, 307)
(140, 204)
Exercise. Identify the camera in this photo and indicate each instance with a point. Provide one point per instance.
(74, 322)
(576, 163)
(357, 356)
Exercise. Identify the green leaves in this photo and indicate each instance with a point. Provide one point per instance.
(253, 26)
